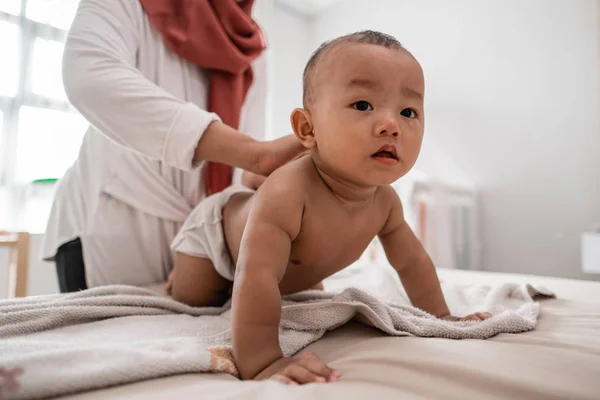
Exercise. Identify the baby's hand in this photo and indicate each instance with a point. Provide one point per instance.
(300, 369)
(479, 316)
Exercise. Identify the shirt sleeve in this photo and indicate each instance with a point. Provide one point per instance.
(102, 82)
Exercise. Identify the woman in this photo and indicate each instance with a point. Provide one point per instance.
(165, 84)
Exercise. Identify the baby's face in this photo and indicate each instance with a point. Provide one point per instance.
(367, 115)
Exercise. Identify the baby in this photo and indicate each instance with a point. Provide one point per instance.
(362, 124)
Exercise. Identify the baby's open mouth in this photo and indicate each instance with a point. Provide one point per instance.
(386, 151)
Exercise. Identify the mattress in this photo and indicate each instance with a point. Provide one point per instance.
(559, 359)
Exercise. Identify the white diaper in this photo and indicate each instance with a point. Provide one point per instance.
(202, 232)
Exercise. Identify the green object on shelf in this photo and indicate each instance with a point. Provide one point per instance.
(44, 181)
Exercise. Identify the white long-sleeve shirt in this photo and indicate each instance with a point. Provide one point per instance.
(134, 182)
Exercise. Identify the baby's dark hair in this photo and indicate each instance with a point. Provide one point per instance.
(362, 37)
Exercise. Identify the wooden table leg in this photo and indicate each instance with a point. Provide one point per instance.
(18, 272)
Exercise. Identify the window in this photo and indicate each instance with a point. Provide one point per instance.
(46, 73)
(1, 131)
(56, 13)
(40, 132)
(11, 6)
(44, 137)
(9, 67)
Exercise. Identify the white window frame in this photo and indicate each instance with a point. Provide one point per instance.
(29, 31)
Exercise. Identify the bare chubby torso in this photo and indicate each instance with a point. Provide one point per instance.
(332, 235)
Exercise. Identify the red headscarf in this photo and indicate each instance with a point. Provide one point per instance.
(218, 35)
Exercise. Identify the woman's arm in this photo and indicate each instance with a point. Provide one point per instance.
(102, 82)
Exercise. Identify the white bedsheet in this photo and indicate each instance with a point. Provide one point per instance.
(560, 359)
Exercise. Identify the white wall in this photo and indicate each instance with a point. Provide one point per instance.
(290, 46)
(512, 98)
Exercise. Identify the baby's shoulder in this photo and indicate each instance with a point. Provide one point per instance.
(291, 178)
(387, 196)
(287, 184)
(281, 199)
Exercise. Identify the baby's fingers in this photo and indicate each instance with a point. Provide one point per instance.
(284, 379)
(479, 316)
(318, 367)
(483, 315)
(302, 375)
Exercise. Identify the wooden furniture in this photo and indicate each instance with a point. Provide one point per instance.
(18, 268)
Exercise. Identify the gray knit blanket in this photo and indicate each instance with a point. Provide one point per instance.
(66, 343)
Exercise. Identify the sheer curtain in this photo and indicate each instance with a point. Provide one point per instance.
(40, 133)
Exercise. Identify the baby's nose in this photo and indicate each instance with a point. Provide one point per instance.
(388, 126)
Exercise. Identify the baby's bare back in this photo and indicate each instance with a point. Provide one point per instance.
(332, 235)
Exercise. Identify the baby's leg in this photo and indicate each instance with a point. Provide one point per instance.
(196, 282)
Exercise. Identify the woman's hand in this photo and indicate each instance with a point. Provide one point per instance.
(223, 144)
(273, 154)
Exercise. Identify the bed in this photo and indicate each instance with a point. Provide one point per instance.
(559, 359)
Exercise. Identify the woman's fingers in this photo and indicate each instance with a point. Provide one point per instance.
(252, 180)
(276, 153)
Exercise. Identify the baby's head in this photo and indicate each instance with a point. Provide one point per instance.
(363, 108)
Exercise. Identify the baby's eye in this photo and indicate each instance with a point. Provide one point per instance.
(409, 113)
(362, 105)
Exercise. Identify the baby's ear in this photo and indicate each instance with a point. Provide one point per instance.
(303, 128)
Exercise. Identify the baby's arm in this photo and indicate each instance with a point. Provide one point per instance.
(414, 266)
(273, 224)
